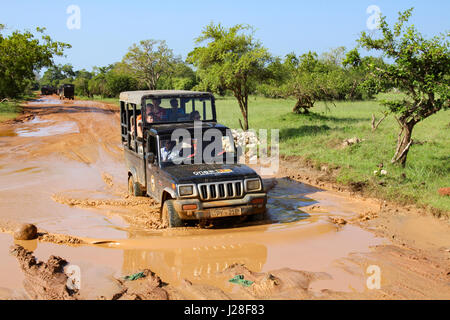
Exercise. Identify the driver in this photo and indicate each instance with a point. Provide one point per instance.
(166, 150)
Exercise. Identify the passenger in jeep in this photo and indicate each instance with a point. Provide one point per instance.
(174, 113)
(149, 115)
(159, 114)
(195, 115)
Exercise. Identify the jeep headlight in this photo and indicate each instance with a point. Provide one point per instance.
(253, 184)
(186, 190)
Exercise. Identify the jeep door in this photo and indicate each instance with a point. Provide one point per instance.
(152, 168)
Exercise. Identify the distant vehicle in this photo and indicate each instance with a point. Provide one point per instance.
(175, 173)
(47, 90)
(66, 91)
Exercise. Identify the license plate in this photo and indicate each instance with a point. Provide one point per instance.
(216, 213)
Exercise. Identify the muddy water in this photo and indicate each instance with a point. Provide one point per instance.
(292, 239)
(71, 151)
(44, 128)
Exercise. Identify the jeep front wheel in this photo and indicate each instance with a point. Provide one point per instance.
(169, 217)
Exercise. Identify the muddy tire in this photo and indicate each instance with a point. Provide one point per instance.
(169, 217)
(134, 188)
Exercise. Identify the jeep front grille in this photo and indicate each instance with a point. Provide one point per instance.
(221, 190)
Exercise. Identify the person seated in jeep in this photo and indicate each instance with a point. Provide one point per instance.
(149, 118)
(149, 112)
(159, 114)
(174, 113)
(166, 150)
(195, 115)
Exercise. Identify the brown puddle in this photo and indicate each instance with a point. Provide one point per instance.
(8, 133)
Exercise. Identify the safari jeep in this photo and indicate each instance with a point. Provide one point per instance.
(178, 154)
(66, 91)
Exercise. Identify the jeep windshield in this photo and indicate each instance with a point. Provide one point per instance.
(181, 109)
(190, 151)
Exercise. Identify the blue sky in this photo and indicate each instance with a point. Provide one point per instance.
(109, 28)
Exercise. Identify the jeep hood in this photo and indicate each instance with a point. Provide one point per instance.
(199, 173)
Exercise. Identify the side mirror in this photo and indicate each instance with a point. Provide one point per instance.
(151, 157)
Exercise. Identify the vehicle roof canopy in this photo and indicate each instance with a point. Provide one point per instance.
(137, 96)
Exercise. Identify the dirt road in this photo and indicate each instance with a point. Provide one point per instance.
(62, 168)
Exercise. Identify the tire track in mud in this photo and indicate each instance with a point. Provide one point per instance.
(139, 212)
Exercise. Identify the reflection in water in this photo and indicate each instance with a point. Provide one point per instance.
(38, 127)
(202, 254)
(200, 262)
(52, 130)
(285, 200)
(8, 133)
(45, 101)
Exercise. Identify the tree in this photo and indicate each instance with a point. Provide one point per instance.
(67, 70)
(21, 56)
(310, 80)
(334, 56)
(230, 60)
(278, 73)
(119, 82)
(97, 85)
(366, 84)
(81, 82)
(182, 77)
(420, 71)
(57, 74)
(149, 60)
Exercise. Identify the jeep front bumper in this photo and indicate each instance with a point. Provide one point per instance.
(222, 208)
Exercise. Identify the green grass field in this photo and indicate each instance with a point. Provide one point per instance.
(9, 110)
(319, 136)
(114, 101)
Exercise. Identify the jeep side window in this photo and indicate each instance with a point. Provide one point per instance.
(131, 127)
(134, 127)
(152, 147)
